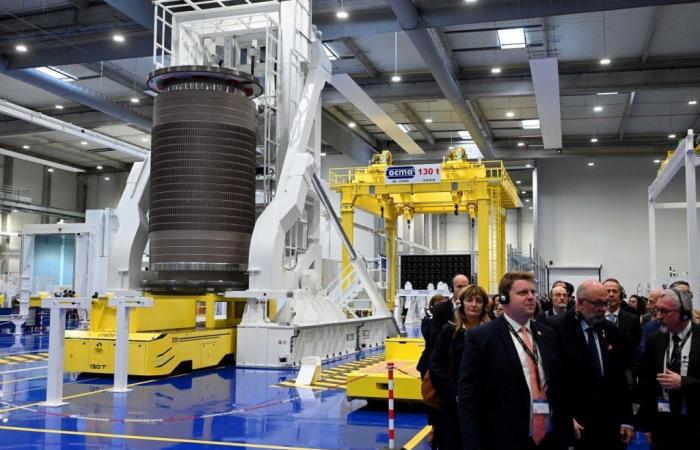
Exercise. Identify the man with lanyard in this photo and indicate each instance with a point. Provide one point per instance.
(670, 376)
(511, 377)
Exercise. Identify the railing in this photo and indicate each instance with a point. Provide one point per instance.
(346, 286)
(14, 194)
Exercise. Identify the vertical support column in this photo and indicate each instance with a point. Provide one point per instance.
(653, 277)
(390, 250)
(483, 271)
(54, 376)
(347, 217)
(121, 358)
(500, 243)
(692, 218)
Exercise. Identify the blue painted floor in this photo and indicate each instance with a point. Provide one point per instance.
(224, 406)
(238, 408)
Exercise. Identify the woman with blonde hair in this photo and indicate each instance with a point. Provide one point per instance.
(447, 357)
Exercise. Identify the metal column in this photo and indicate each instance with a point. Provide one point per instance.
(347, 215)
(390, 250)
(121, 353)
(692, 218)
(483, 271)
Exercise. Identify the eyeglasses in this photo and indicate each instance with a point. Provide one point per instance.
(664, 311)
(598, 303)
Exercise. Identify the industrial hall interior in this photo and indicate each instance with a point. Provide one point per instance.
(349, 224)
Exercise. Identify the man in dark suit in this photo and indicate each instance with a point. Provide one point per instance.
(560, 300)
(595, 361)
(670, 376)
(627, 323)
(511, 390)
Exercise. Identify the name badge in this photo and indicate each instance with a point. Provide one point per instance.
(540, 407)
(663, 406)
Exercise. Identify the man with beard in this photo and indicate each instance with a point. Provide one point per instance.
(594, 356)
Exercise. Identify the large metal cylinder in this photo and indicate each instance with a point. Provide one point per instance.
(202, 209)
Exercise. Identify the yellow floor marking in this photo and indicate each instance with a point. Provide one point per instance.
(418, 438)
(5, 361)
(16, 358)
(22, 379)
(154, 438)
(35, 357)
(330, 385)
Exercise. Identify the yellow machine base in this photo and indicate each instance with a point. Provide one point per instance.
(371, 382)
(150, 354)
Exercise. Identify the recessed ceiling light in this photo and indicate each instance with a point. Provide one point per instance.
(495, 70)
(99, 167)
(591, 164)
(352, 124)
(49, 169)
(429, 120)
(530, 207)
(692, 102)
(83, 142)
(671, 136)
(657, 161)
(597, 108)
(605, 61)
(528, 166)
(395, 79)
(59, 106)
(26, 147)
(521, 144)
(527, 200)
(608, 93)
(118, 38)
(470, 1)
(21, 48)
(531, 124)
(523, 192)
(134, 100)
(144, 139)
(323, 153)
(342, 14)
(510, 114)
(594, 140)
(106, 178)
(518, 182)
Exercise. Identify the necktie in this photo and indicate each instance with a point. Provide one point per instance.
(594, 351)
(612, 318)
(674, 365)
(539, 421)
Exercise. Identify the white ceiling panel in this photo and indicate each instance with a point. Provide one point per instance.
(677, 32)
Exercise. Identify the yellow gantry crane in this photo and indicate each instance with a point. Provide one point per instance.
(481, 189)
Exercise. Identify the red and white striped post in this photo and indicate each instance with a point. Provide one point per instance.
(390, 373)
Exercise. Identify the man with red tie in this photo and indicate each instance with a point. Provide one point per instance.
(511, 392)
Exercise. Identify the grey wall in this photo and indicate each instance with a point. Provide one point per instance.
(598, 216)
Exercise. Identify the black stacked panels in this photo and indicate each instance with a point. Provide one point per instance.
(423, 269)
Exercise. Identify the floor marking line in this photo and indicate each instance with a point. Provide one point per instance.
(154, 438)
(417, 438)
(26, 369)
(21, 379)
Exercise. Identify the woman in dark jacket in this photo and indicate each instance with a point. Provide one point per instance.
(426, 330)
(447, 357)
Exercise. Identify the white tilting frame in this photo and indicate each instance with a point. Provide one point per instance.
(683, 156)
(124, 304)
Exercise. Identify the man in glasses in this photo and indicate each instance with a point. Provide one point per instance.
(594, 358)
(670, 382)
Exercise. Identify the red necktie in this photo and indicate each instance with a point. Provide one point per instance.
(539, 421)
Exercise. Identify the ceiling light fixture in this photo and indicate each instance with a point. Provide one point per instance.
(59, 106)
(106, 178)
(511, 38)
(591, 164)
(99, 167)
(528, 166)
(83, 143)
(470, 1)
(49, 170)
(56, 73)
(464, 134)
(21, 48)
(396, 78)
(118, 38)
(523, 192)
(608, 93)
(134, 100)
(671, 136)
(594, 140)
(429, 120)
(692, 102)
(605, 61)
(531, 124)
(26, 147)
(510, 114)
(495, 70)
(657, 161)
(342, 14)
(529, 207)
(521, 144)
(352, 124)
(527, 200)
(144, 138)
(518, 182)
(597, 108)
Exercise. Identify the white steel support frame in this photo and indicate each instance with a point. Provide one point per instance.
(57, 328)
(683, 156)
(124, 304)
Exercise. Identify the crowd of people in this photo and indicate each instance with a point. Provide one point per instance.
(582, 370)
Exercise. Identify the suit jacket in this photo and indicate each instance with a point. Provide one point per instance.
(594, 400)
(445, 361)
(653, 363)
(631, 332)
(493, 396)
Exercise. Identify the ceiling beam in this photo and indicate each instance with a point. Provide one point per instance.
(121, 77)
(140, 11)
(357, 52)
(545, 79)
(342, 116)
(424, 88)
(405, 109)
(340, 137)
(434, 58)
(80, 117)
(380, 20)
(626, 115)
